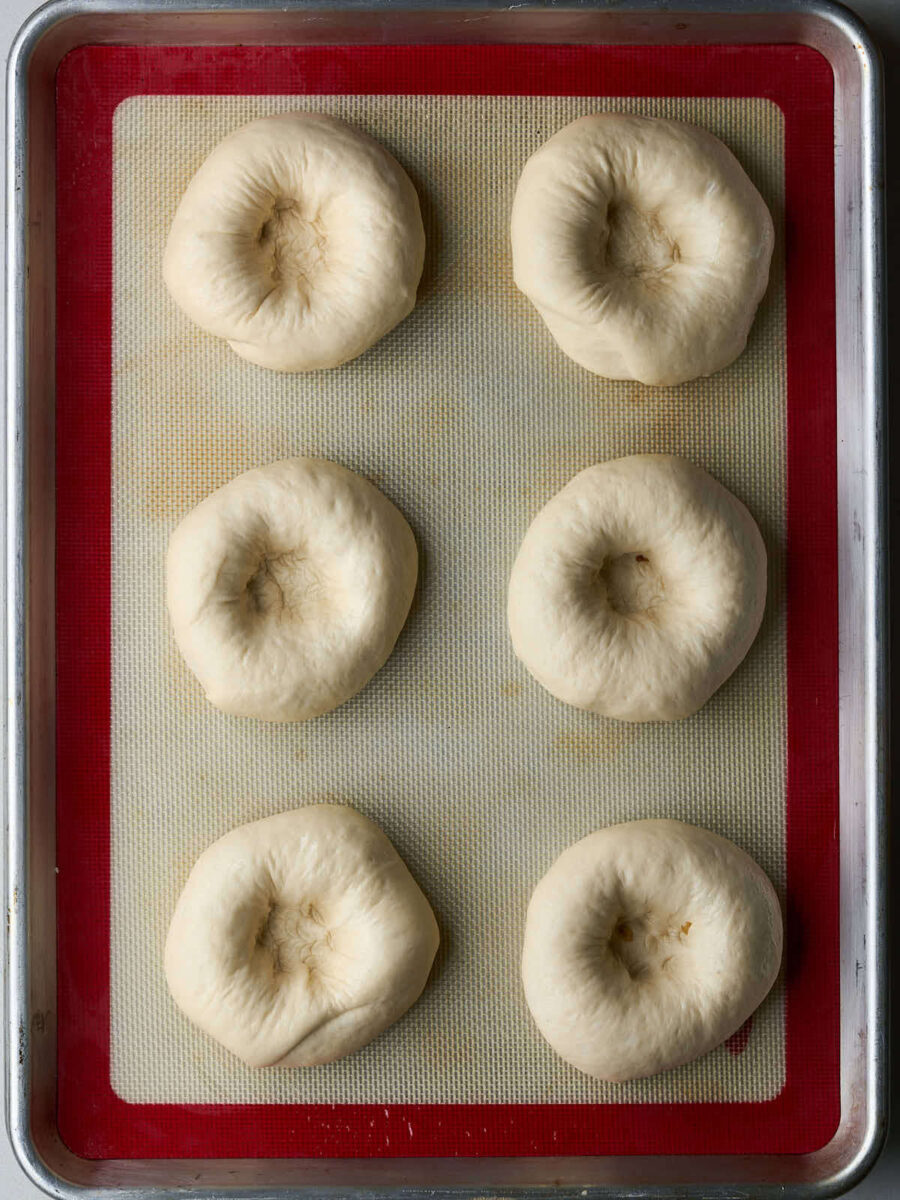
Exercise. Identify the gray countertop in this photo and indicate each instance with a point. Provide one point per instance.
(883, 18)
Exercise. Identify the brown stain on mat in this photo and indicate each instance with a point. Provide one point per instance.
(555, 461)
(639, 419)
(510, 689)
(488, 273)
(442, 701)
(604, 742)
(626, 392)
(184, 450)
(438, 417)
(451, 1047)
(698, 1091)
(673, 423)
(172, 348)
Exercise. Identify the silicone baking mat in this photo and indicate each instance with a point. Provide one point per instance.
(470, 419)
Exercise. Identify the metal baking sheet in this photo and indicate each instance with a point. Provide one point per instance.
(858, 433)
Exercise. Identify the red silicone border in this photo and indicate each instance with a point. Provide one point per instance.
(93, 1121)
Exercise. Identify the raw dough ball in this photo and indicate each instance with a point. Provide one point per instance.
(299, 938)
(643, 245)
(646, 945)
(288, 587)
(638, 589)
(299, 240)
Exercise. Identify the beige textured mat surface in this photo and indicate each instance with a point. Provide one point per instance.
(469, 418)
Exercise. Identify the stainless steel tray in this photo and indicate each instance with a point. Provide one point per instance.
(30, 587)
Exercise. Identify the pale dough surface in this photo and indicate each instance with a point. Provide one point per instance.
(647, 944)
(287, 588)
(299, 240)
(469, 419)
(299, 938)
(643, 245)
(638, 589)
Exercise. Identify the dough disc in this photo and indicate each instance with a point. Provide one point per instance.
(643, 245)
(287, 588)
(299, 240)
(299, 938)
(646, 945)
(638, 589)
